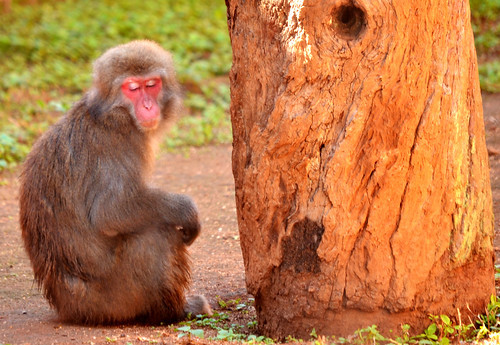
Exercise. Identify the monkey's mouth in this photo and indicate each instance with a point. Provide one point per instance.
(149, 124)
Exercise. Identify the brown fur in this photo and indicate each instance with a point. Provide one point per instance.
(104, 246)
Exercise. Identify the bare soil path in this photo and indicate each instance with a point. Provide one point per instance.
(218, 271)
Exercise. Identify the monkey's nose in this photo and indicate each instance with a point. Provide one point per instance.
(148, 104)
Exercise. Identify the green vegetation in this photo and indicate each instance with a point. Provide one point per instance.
(489, 76)
(441, 331)
(221, 325)
(486, 26)
(47, 50)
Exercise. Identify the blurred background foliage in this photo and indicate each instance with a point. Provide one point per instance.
(485, 16)
(47, 48)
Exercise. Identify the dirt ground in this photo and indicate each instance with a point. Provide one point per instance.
(218, 271)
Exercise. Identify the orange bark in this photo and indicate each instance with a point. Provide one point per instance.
(361, 170)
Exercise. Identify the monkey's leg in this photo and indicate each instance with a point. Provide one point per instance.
(146, 282)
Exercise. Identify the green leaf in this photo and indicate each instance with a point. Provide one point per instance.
(426, 341)
(184, 329)
(446, 319)
(197, 333)
(313, 334)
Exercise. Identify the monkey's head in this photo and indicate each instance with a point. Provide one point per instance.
(138, 76)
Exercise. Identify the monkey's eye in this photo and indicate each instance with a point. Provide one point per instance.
(151, 83)
(132, 86)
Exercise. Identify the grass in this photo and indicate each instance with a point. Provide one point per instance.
(47, 52)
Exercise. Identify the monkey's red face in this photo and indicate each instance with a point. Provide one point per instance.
(143, 93)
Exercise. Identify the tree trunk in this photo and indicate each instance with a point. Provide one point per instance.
(361, 170)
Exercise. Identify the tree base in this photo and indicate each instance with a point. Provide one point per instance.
(281, 314)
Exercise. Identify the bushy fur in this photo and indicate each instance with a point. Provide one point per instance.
(104, 246)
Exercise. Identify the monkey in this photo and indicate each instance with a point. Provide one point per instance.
(104, 245)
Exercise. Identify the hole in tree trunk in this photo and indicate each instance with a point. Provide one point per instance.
(349, 21)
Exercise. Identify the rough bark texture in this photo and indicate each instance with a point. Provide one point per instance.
(362, 182)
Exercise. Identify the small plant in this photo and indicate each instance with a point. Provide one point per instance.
(318, 339)
(188, 331)
(229, 334)
(490, 321)
(254, 339)
(445, 327)
(222, 303)
(219, 325)
(234, 304)
(252, 324)
(370, 335)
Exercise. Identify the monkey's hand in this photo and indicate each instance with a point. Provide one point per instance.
(183, 213)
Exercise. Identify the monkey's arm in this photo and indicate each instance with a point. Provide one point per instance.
(180, 211)
(114, 213)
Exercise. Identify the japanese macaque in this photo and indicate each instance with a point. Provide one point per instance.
(105, 247)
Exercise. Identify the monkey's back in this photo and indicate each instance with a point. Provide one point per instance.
(52, 204)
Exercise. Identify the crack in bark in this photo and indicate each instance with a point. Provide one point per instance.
(456, 238)
(360, 236)
(408, 181)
